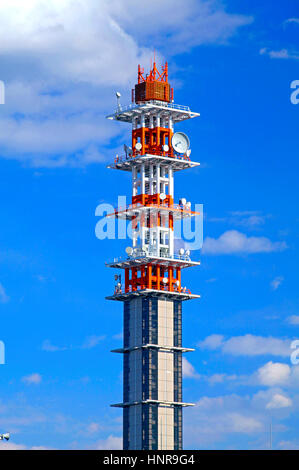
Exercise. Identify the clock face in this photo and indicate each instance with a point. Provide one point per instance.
(180, 142)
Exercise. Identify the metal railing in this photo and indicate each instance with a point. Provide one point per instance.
(160, 104)
(148, 254)
(121, 289)
(170, 154)
(161, 206)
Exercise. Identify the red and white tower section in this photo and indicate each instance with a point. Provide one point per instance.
(153, 292)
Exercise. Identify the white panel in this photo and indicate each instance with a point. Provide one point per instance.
(165, 428)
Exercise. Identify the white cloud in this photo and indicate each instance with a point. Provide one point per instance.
(247, 345)
(93, 427)
(49, 347)
(188, 370)
(3, 296)
(248, 219)
(92, 341)
(199, 22)
(292, 20)
(219, 418)
(288, 445)
(293, 320)
(276, 282)
(274, 373)
(14, 446)
(111, 443)
(32, 379)
(234, 242)
(221, 378)
(279, 401)
(280, 54)
(61, 62)
(89, 343)
(212, 342)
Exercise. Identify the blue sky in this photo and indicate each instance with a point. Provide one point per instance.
(61, 65)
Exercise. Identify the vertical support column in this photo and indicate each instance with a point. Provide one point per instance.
(142, 176)
(158, 178)
(149, 276)
(158, 273)
(151, 126)
(170, 182)
(170, 278)
(178, 276)
(158, 124)
(142, 124)
(134, 181)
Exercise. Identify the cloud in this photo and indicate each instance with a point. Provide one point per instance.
(111, 443)
(199, 22)
(89, 343)
(3, 296)
(32, 379)
(292, 20)
(93, 427)
(49, 347)
(63, 60)
(234, 242)
(221, 378)
(217, 419)
(279, 401)
(288, 445)
(276, 282)
(212, 342)
(92, 341)
(280, 54)
(293, 320)
(188, 370)
(13, 446)
(248, 219)
(274, 373)
(247, 345)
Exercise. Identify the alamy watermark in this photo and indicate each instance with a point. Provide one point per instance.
(2, 353)
(188, 225)
(295, 94)
(2, 92)
(295, 353)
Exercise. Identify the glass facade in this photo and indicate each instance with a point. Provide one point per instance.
(152, 374)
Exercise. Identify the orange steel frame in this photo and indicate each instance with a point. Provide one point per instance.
(151, 277)
(154, 220)
(154, 75)
(152, 140)
(150, 199)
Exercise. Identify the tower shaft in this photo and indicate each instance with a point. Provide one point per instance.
(152, 292)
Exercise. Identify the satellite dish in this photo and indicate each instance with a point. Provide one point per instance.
(188, 153)
(180, 142)
(188, 252)
(162, 196)
(183, 201)
(177, 283)
(182, 251)
(138, 146)
(129, 250)
(166, 148)
(127, 149)
(164, 280)
(188, 204)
